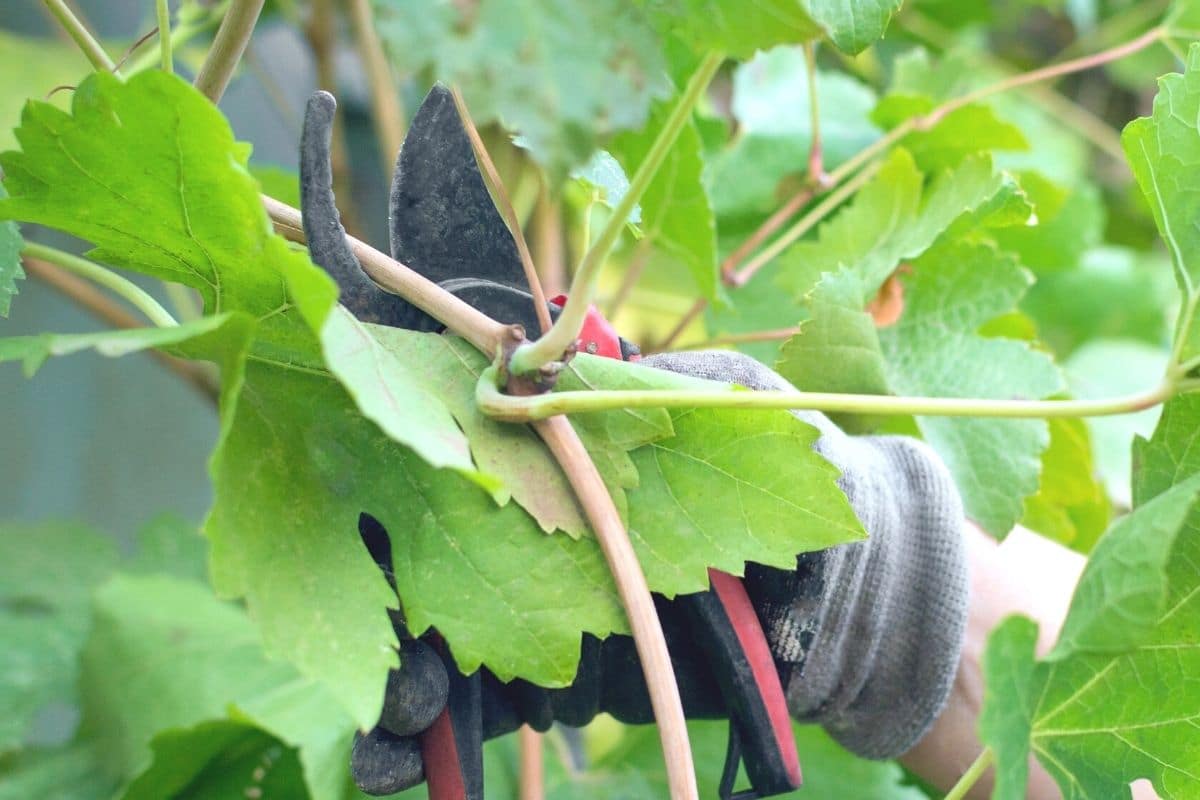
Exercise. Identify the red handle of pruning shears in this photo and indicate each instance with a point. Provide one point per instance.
(452, 748)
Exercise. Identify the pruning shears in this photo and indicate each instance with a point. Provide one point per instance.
(444, 225)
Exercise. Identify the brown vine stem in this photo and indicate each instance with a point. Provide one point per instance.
(562, 440)
(464, 319)
(487, 334)
(506, 210)
(532, 784)
(806, 223)
(104, 308)
(910, 125)
(385, 98)
(227, 48)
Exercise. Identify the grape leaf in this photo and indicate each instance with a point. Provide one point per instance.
(934, 349)
(676, 213)
(1123, 588)
(148, 171)
(739, 29)
(1164, 153)
(853, 25)
(605, 174)
(214, 760)
(1070, 505)
(726, 477)
(1069, 222)
(33, 351)
(165, 654)
(47, 573)
(1099, 720)
(292, 475)
(395, 395)
(891, 219)
(1113, 293)
(1111, 368)
(734, 27)
(963, 132)
(10, 260)
(564, 91)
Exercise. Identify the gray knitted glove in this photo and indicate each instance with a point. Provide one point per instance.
(866, 635)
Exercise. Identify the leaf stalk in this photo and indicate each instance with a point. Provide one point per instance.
(164, 34)
(127, 289)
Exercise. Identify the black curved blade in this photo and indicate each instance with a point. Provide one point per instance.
(325, 234)
(442, 219)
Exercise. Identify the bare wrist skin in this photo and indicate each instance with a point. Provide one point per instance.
(1026, 574)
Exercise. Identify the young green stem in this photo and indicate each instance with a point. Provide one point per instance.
(81, 35)
(562, 336)
(523, 409)
(972, 775)
(185, 28)
(130, 291)
(164, 34)
(227, 48)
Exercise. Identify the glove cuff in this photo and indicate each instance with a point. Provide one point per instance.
(884, 643)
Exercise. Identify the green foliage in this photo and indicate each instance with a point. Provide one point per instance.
(786, 498)
(10, 260)
(539, 49)
(952, 291)
(676, 214)
(1164, 154)
(47, 573)
(893, 218)
(32, 351)
(739, 29)
(322, 417)
(771, 106)
(1109, 704)
(1070, 505)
